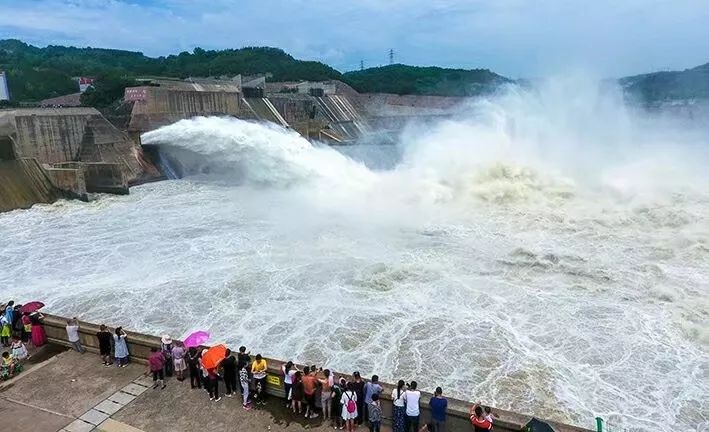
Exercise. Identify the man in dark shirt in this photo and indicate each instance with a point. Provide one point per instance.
(104, 344)
(439, 405)
(229, 366)
(358, 388)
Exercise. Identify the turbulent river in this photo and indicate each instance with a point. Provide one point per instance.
(546, 252)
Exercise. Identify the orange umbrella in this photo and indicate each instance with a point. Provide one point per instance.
(213, 356)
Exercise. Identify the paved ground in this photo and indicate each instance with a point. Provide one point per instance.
(67, 391)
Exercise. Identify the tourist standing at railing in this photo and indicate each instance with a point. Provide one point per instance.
(178, 361)
(478, 420)
(243, 359)
(17, 327)
(399, 407)
(213, 385)
(5, 331)
(9, 313)
(370, 389)
(26, 328)
(244, 385)
(288, 370)
(337, 390)
(166, 348)
(39, 335)
(439, 406)
(156, 365)
(120, 347)
(310, 385)
(358, 388)
(72, 333)
(229, 367)
(193, 357)
(259, 369)
(349, 407)
(413, 411)
(374, 413)
(104, 344)
(326, 383)
(298, 393)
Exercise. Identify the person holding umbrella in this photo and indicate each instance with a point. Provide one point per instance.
(211, 359)
(193, 361)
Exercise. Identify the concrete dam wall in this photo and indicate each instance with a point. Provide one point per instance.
(54, 136)
(24, 183)
(159, 106)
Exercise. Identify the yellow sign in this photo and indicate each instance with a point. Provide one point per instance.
(274, 380)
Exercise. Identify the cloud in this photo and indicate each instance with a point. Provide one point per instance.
(513, 37)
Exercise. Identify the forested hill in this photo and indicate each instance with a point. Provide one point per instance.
(39, 73)
(403, 79)
(668, 86)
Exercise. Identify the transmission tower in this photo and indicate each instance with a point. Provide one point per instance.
(361, 65)
(391, 56)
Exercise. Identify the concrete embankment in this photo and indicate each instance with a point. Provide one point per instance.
(140, 345)
(23, 183)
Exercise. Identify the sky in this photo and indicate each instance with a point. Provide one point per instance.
(516, 38)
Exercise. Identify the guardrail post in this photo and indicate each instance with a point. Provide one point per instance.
(599, 424)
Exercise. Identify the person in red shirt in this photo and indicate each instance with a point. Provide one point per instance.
(480, 423)
(310, 386)
(156, 363)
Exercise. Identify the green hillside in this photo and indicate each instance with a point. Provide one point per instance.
(403, 79)
(39, 73)
(666, 86)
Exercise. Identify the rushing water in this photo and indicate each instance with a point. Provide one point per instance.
(547, 253)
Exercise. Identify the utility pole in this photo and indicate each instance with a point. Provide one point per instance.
(361, 65)
(391, 56)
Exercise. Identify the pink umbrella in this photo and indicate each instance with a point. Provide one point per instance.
(196, 339)
(31, 307)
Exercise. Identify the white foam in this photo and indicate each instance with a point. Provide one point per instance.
(542, 253)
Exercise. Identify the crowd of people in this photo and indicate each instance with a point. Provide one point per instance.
(18, 329)
(312, 392)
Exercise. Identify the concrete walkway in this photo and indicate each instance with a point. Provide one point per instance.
(66, 391)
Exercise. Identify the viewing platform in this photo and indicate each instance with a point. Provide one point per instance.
(62, 390)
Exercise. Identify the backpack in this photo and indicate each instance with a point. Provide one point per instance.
(351, 405)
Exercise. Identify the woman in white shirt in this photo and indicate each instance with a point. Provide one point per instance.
(349, 407)
(397, 396)
(412, 398)
(288, 371)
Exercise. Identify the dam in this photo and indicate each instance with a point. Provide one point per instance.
(510, 254)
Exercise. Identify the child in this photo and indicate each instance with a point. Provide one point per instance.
(489, 414)
(19, 350)
(5, 331)
(8, 366)
(244, 381)
(375, 413)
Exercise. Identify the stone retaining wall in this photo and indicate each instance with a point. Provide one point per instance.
(139, 346)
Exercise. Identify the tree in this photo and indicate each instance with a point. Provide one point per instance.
(106, 89)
